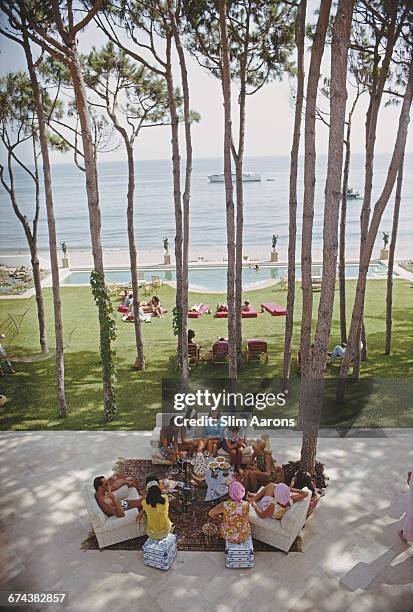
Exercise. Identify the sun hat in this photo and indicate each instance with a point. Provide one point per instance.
(282, 494)
(236, 491)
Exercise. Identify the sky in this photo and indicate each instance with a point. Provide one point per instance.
(269, 121)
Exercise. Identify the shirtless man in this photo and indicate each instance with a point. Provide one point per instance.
(107, 500)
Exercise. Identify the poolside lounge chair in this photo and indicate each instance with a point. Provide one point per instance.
(275, 310)
(203, 309)
(256, 348)
(251, 313)
(156, 281)
(221, 314)
(219, 351)
(193, 353)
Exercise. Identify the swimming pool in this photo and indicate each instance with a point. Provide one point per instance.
(214, 279)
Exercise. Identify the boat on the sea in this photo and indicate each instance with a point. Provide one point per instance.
(353, 195)
(247, 177)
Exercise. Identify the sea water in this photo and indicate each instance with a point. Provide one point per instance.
(265, 214)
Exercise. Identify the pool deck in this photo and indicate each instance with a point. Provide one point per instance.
(353, 558)
(81, 261)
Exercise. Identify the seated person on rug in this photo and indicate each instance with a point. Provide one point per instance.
(275, 499)
(246, 306)
(108, 502)
(213, 432)
(235, 526)
(233, 443)
(156, 508)
(262, 468)
(192, 440)
(303, 479)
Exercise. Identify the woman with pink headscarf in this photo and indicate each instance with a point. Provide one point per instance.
(274, 500)
(235, 527)
(407, 533)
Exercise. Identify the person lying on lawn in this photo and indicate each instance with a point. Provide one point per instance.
(106, 499)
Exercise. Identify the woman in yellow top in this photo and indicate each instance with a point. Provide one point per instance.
(156, 507)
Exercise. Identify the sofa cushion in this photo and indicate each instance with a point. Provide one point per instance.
(97, 517)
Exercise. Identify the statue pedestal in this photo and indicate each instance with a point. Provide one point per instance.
(274, 256)
(384, 254)
(65, 262)
(167, 260)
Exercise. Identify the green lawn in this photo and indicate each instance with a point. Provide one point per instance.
(31, 391)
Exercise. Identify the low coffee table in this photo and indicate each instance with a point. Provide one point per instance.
(200, 497)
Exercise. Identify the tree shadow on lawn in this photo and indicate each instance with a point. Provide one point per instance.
(32, 400)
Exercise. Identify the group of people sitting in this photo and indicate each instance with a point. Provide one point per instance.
(147, 310)
(272, 502)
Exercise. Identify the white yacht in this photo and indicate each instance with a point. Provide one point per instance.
(353, 195)
(247, 177)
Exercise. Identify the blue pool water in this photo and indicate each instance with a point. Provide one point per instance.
(214, 279)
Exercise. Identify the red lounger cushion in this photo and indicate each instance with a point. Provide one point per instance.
(123, 309)
(251, 313)
(223, 314)
(204, 308)
(276, 310)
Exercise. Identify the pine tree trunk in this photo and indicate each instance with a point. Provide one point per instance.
(292, 227)
(51, 224)
(176, 170)
(31, 237)
(311, 397)
(342, 239)
(140, 363)
(239, 226)
(230, 210)
(238, 250)
(94, 215)
(133, 259)
(37, 281)
(309, 181)
(357, 315)
(389, 294)
(185, 200)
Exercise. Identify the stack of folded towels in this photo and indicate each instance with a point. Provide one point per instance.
(239, 555)
(160, 553)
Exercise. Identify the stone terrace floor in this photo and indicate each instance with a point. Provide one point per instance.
(353, 559)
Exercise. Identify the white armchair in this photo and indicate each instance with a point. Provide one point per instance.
(111, 529)
(280, 533)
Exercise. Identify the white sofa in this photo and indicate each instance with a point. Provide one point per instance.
(163, 419)
(111, 529)
(280, 533)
